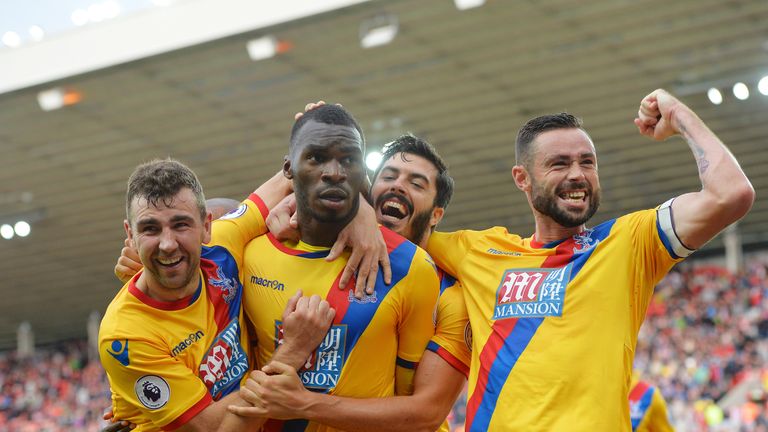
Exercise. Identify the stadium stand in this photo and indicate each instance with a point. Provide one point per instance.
(56, 389)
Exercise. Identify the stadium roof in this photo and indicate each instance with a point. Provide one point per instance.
(463, 79)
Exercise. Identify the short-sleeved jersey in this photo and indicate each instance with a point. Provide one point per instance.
(453, 335)
(167, 361)
(371, 340)
(647, 409)
(555, 326)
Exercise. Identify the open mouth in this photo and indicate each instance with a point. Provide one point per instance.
(393, 208)
(573, 196)
(169, 262)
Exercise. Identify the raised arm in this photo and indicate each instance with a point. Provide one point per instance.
(726, 194)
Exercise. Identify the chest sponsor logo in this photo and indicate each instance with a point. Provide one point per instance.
(527, 293)
(225, 363)
(152, 391)
(187, 342)
(227, 286)
(322, 369)
(119, 351)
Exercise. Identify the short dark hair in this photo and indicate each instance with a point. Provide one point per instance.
(328, 114)
(160, 180)
(535, 127)
(409, 144)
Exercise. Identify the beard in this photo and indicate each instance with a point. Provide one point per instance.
(419, 223)
(546, 202)
(327, 217)
(178, 281)
(419, 226)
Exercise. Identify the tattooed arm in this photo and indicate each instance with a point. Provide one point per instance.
(726, 194)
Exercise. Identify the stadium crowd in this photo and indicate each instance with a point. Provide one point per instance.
(56, 389)
(706, 332)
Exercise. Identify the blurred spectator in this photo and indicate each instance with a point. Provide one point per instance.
(57, 389)
(705, 333)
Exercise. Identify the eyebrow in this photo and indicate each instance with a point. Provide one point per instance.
(155, 221)
(566, 157)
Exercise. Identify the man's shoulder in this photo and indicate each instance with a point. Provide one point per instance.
(496, 233)
(125, 316)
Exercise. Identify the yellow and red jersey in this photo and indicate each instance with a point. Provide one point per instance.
(167, 361)
(647, 408)
(374, 343)
(453, 335)
(555, 325)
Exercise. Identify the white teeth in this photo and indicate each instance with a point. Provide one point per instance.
(168, 261)
(574, 195)
(396, 205)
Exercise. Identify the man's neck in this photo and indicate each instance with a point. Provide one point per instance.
(154, 290)
(547, 230)
(316, 233)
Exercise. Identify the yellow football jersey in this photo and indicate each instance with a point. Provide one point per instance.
(167, 361)
(371, 340)
(647, 408)
(453, 335)
(555, 326)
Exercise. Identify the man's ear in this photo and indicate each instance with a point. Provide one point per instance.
(207, 222)
(129, 233)
(522, 178)
(287, 172)
(437, 216)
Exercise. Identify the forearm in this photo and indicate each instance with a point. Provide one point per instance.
(235, 423)
(215, 417)
(437, 385)
(726, 194)
(718, 170)
(397, 413)
(290, 356)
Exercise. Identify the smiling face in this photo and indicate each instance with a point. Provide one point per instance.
(404, 196)
(564, 184)
(326, 166)
(168, 236)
